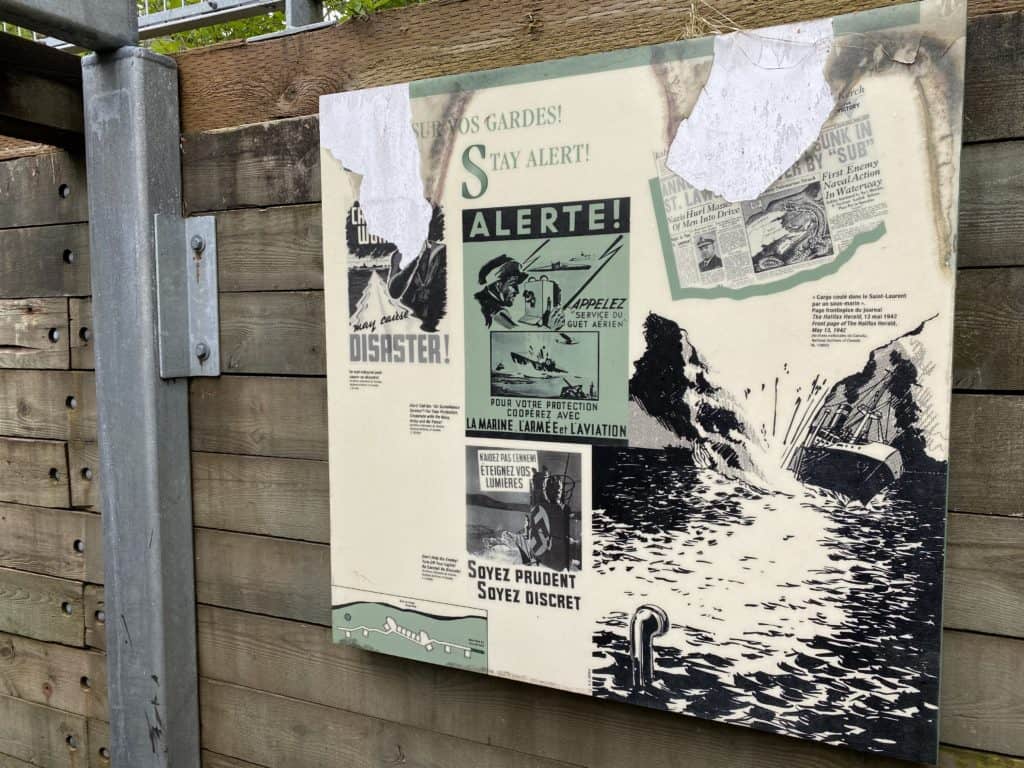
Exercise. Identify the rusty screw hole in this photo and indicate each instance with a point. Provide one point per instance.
(54, 473)
(54, 335)
(67, 608)
(79, 546)
(71, 402)
(69, 256)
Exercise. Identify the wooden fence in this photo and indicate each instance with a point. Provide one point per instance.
(274, 690)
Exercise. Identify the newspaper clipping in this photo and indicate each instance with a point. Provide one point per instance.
(826, 204)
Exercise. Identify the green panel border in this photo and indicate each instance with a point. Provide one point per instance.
(747, 291)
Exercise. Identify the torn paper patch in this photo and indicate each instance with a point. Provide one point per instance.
(763, 105)
(370, 133)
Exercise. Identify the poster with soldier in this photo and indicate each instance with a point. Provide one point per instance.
(546, 312)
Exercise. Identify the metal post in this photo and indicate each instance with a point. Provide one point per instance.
(131, 131)
(302, 13)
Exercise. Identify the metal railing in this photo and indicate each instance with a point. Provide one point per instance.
(166, 17)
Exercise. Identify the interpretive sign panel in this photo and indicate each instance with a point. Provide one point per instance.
(639, 372)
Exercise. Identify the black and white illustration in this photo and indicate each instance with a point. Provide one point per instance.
(783, 570)
(383, 294)
(545, 364)
(708, 257)
(788, 227)
(523, 507)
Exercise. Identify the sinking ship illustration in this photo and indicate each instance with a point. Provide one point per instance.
(420, 638)
(850, 446)
(542, 362)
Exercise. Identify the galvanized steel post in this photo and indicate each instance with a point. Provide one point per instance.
(134, 173)
(302, 13)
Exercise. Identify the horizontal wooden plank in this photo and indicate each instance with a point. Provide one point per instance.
(260, 332)
(80, 333)
(270, 249)
(994, 95)
(287, 498)
(955, 757)
(988, 349)
(95, 617)
(33, 333)
(70, 679)
(280, 731)
(34, 472)
(41, 607)
(253, 82)
(991, 205)
(272, 332)
(44, 261)
(982, 706)
(38, 108)
(259, 415)
(53, 542)
(84, 474)
(986, 441)
(43, 189)
(255, 166)
(984, 578)
(263, 575)
(298, 660)
(41, 735)
(56, 405)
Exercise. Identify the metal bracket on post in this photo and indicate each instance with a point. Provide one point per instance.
(186, 296)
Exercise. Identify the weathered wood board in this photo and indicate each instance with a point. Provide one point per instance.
(95, 617)
(268, 496)
(260, 416)
(41, 607)
(41, 735)
(55, 405)
(984, 580)
(34, 472)
(52, 542)
(272, 249)
(263, 574)
(44, 261)
(33, 333)
(984, 471)
(69, 679)
(43, 189)
(245, 83)
(84, 474)
(80, 333)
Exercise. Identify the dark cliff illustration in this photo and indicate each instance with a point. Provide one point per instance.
(675, 405)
